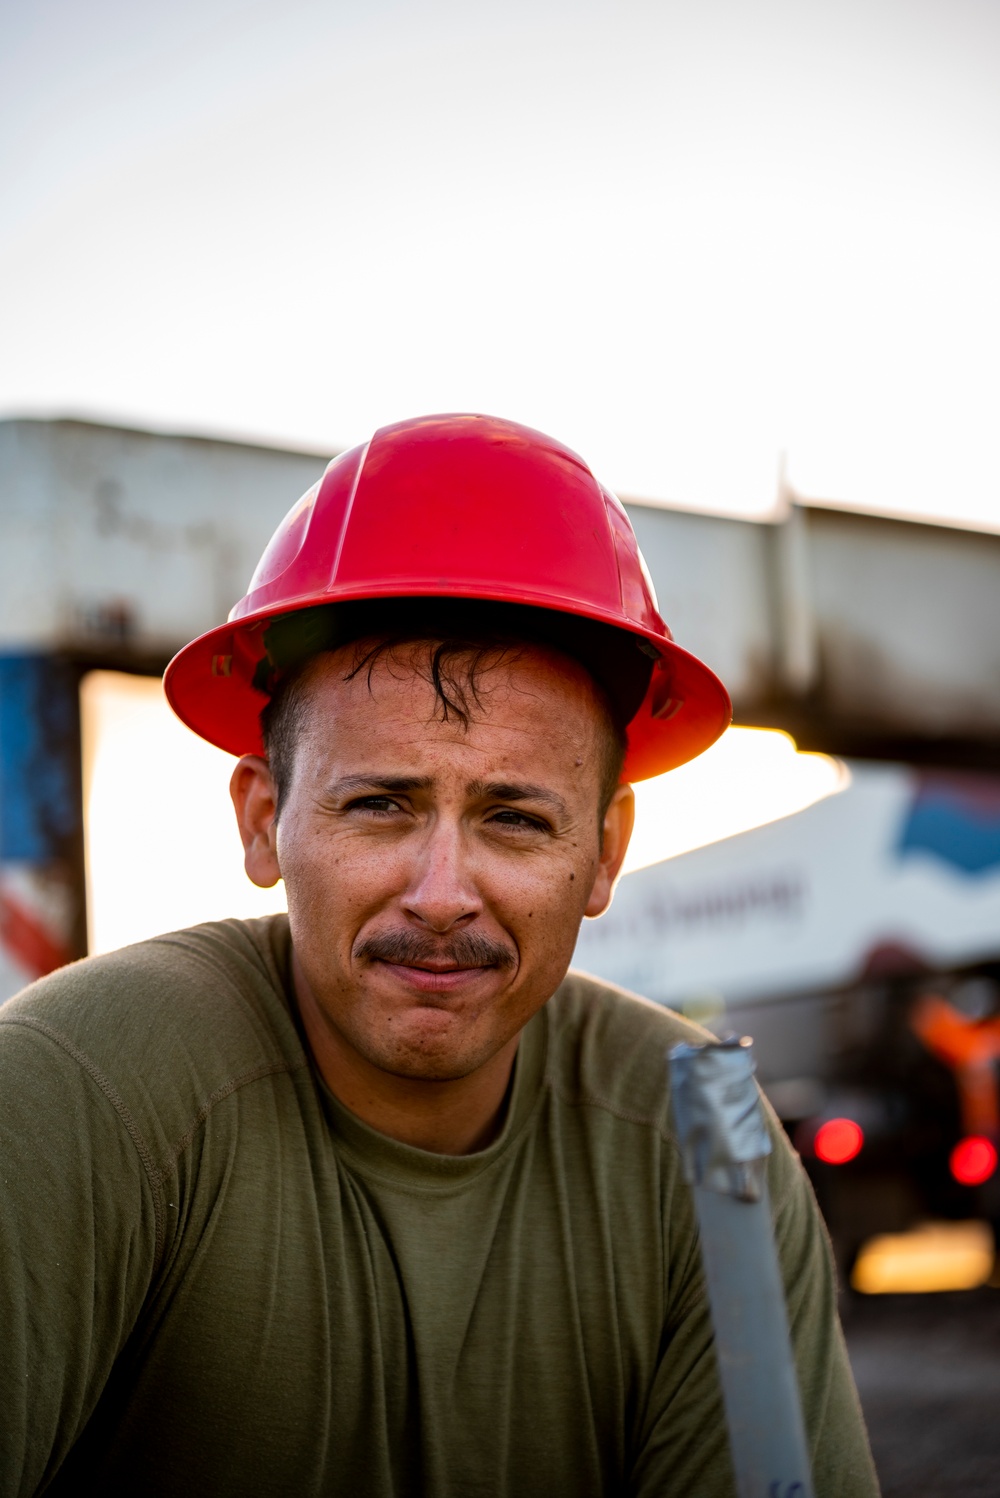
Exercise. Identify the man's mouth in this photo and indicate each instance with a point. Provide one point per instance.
(435, 979)
(442, 965)
(434, 966)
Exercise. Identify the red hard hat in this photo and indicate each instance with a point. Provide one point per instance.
(455, 507)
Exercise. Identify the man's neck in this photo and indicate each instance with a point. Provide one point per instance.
(453, 1117)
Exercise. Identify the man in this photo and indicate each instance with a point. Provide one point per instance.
(376, 1199)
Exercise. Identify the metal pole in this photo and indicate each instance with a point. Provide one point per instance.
(725, 1144)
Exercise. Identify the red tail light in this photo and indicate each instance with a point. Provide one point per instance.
(838, 1140)
(973, 1160)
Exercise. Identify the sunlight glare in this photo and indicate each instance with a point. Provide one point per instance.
(932, 1257)
(751, 776)
(163, 850)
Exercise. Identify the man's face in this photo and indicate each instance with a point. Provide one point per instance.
(437, 874)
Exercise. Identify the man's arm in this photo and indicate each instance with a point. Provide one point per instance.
(77, 1248)
(684, 1446)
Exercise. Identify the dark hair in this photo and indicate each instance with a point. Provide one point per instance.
(465, 639)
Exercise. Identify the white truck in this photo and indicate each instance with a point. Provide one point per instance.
(858, 942)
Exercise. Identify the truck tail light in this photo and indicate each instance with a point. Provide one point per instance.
(973, 1160)
(838, 1140)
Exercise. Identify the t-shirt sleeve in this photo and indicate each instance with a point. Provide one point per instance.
(77, 1248)
(683, 1446)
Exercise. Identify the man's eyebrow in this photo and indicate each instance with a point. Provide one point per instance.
(352, 785)
(517, 790)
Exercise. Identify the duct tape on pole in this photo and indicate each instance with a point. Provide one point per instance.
(725, 1144)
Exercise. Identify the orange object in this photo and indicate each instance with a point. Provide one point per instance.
(970, 1049)
(452, 507)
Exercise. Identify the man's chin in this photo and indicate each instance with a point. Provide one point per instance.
(425, 1069)
(431, 1045)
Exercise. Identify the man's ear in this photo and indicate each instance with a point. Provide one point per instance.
(255, 798)
(618, 822)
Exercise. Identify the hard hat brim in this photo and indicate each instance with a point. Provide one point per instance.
(210, 686)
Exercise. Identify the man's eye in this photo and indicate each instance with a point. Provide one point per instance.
(518, 820)
(379, 805)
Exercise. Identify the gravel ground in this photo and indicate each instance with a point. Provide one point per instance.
(928, 1372)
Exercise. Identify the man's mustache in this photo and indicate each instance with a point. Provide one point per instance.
(411, 949)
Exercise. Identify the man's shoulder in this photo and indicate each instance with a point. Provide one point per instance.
(206, 1003)
(608, 1048)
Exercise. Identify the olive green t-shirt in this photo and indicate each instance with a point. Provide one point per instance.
(215, 1280)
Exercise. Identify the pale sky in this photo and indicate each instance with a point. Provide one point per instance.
(685, 238)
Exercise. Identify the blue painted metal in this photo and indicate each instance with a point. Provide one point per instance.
(40, 796)
(957, 819)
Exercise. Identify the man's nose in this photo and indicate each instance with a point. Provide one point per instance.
(442, 892)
